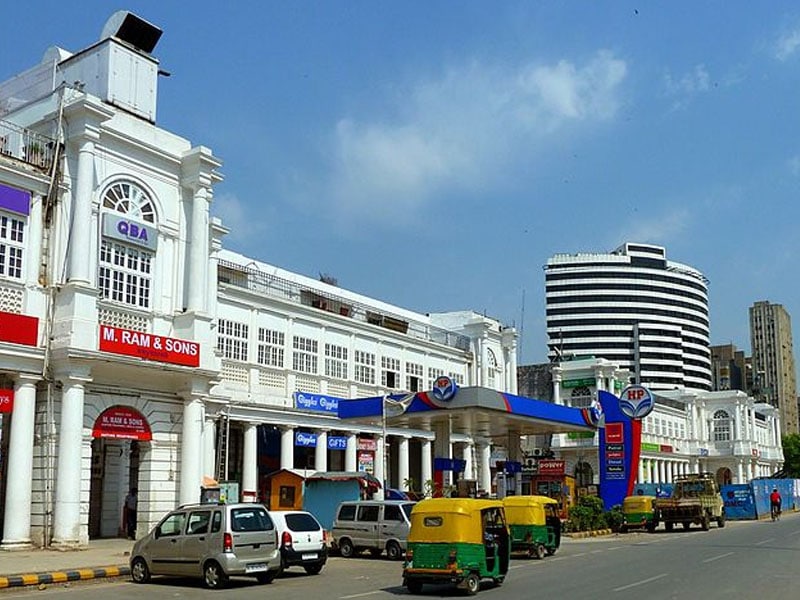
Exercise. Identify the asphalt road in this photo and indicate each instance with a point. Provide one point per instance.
(743, 560)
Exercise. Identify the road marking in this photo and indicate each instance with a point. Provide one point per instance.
(765, 541)
(580, 554)
(597, 551)
(360, 595)
(614, 548)
(642, 582)
(713, 558)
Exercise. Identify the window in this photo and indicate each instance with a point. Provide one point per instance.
(390, 372)
(250, 519)
(270, 347)
(492, 359)
(347, 512)
(581, 397)
(172, 525)
(12, 234)
(304, 355)
(232, 339)
(458, 378)
(216, 522)
(335, 361)
(125, 274)
(364, 367)
(722, 426)
(129, 199)
(433, 375)
(198, 522)
(413, 377)
(391, 512)
(368, 513)
(286, 496)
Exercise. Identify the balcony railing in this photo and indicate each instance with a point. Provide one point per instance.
(276, 287)
(27, 146)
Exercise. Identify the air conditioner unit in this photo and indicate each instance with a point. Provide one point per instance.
(538, 452)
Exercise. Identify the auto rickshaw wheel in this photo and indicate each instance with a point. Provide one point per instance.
(540, 551)
(687, 524)
(623, 529)
(498, 581)
(472, 584)
(414, 586)
(668, 526)
(551, 551)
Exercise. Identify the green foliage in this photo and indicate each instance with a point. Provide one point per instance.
(791, 455)
(614, 517)
(588, 514)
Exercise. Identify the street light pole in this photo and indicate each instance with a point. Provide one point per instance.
(383, 446)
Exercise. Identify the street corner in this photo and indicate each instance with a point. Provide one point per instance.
(64, 576)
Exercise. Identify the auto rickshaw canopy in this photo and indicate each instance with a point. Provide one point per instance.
(452, 520)
(637, 504)
(527, 510)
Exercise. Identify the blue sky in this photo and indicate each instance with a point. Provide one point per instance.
(435, 154)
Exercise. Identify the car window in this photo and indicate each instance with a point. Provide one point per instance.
(391, 512)
(347, 512)
(216, 521)
(250, 519)
(172, 525)
(368, 513)
(407, 508)
(302, 522)
(198, 522)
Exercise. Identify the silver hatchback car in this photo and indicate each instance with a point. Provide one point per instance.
(212, 541)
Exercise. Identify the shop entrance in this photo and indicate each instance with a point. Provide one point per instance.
(118, 436)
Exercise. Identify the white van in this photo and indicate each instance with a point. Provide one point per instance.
(372, 525)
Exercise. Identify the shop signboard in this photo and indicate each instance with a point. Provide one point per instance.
(316, 402)
(305, 439)
(552, 467)
(19, 329)
(337, 442)
(6, 401)
(149, 346)
(122, 422)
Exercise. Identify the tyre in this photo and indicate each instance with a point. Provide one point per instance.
(706, 523)
(668, 526)
(540, 551)
(413, 586)
(313, 569)
(213, 576)
(140, 573)
(623, 529)
(394, 551)
(687, 524)
(346, 548)
(651, 526)
(551, 551)
(472, 584)
(267, 577)
(498, 581)
(721, 520)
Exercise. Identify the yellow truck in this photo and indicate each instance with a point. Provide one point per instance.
(695, 500)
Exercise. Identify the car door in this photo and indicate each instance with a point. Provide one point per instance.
(365, 534)
(393, 525)
(165, 549)
(194, 542)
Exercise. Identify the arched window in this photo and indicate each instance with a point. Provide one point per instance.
(492, 367)
(581, 397)
(127, 248)
(722, 426)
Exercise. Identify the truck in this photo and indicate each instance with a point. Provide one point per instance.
(695, 500)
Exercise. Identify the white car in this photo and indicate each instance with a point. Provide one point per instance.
(301, 539)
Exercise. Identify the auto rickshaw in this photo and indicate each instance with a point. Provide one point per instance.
(456, 540)
(534, 524)
(637, 511)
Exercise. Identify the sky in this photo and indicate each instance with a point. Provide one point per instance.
(435, 154)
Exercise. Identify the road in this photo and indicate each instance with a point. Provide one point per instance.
(743, 560)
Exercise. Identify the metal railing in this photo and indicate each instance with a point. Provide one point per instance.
(26, 145)
(270, 285)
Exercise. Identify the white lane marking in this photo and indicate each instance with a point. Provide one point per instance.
(614, 548)
(765, 541)
(597, 551)
(580, 554)
(642, 582)
(713, 558)
(360, 595)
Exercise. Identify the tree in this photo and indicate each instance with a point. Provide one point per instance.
(791, 455)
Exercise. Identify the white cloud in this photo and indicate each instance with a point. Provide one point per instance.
(687, 86)
(787, 45)
(462, 131)
(658, 229)
(244, 223)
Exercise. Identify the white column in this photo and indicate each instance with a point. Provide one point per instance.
(321, 451)
(250, 462)
(484, 345)
(379, 467)
(556, 388)
(66, 521)
(662, 477)
(17, 522)
(737, 424)
(427, 463)
(209, 448)
(485, 473)
(350, 453)
(81, 232)
(640, 475)
(467, 457)
(191, 436)
(402, 462)
(287, 447)
(198, 250)
(740, 471)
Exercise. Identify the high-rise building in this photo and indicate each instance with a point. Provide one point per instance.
(774, 376)
(730, 368)
(634, 307)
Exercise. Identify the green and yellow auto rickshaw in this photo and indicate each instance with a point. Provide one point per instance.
(534, 524)
(637, 511)
(456, 540)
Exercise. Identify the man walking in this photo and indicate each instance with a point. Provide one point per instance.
(130, 513)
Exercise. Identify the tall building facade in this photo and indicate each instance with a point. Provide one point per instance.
(774, 376)
(730, 369)
(634, 307)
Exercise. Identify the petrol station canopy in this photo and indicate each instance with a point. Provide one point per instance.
(473, 411)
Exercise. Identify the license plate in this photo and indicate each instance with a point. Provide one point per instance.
(255, 567)
(309, 556)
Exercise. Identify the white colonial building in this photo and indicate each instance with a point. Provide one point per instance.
(726, 433)
(135, 352)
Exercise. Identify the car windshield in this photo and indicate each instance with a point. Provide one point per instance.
(302, 522)
(250, 519)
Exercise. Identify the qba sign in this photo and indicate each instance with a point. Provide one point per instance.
(131, 232)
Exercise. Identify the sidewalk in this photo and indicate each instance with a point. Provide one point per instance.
(103, 558)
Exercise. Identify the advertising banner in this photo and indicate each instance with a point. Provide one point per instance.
(19, 329)
(316, 402)
(6, 401)
(739, 501)
(122, 422)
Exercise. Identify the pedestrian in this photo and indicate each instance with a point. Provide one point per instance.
(130, 513)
